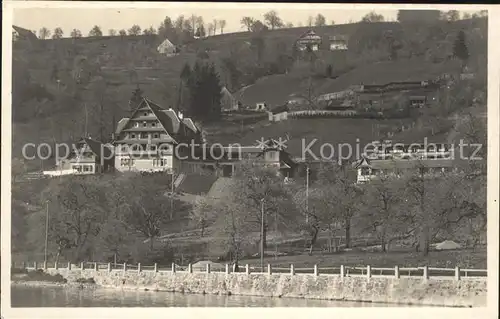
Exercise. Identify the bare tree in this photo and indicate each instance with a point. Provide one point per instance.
(222, 24)
(310, 21)
(112, 32)
(149, 31)
(215, 24)
(134, 30)
(44, 33)
(58, 33)
(122, 32)
(210, 29)
(144, 207)
(320, 20)
(95, 31)
(273, 20)
(289, 25)
(202, 213)
(247, 22)
(75, 33)
(373, 17)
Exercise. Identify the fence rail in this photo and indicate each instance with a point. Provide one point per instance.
(344, 271)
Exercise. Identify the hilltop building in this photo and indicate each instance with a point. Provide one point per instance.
(338, 43)
(308, 40)
(167, 48)
(386, 158)
(279, 113)
(146, 140)
(87, 157)
(228, 102)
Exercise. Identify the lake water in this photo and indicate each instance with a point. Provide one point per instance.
(23, 296)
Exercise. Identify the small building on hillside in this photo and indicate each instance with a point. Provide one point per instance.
(87, 157)
(368, 170)
(167, 48)
(228, 102)
(309, 40)
(279, 113)
(338, 43)
(260, 107)
(23, 36)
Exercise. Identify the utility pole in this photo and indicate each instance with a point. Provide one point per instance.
(307, 194)
(276, 235)
(46, 230)
(172, 198)
(262, 234)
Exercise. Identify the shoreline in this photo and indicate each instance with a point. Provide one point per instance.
(48, 284)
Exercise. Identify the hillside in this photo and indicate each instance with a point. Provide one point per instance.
(47, 111)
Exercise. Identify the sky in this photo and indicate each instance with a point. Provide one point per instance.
(123, 18)
(122, 15)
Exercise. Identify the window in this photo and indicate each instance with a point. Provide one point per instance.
(156, 135)
(86, 168)
(136, 124)
(144, 135)
(152, 147)
(153, 124)
(146, 114)
(365, 171)
(132, 135)
(144, 124)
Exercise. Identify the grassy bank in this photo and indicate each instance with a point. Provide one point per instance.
(464, 258)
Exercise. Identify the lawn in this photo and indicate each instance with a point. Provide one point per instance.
(465, 258)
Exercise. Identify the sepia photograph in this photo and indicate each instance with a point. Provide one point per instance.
(247, 155)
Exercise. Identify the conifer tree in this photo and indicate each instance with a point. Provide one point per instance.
(460, 49)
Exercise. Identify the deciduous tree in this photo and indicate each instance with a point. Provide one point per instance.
(273, 20)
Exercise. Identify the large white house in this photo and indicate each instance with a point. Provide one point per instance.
(146, 140)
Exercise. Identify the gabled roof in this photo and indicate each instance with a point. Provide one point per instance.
(99, 149)
(310, 35)
(121, 125)
(25, 33)
(280, 109)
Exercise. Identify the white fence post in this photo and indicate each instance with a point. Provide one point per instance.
(426, 272)
(35, 265)
(138, 267)
(368, 271)
(82, 266)
(44, 265)
(69, 265)
(24, 265)
(124, 266)
(208, 268)
(190, 268)
(316, 273)
(342, 271)
(96, 267)
(56, 265)
(457, 273)
(227, 269)
(156, 267)
(292, 270)
(396, 272)
(269, 269)
(247, 269)
(109, 267)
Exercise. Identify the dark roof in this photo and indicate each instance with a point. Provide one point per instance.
(180, 130)
(96, 147)
(280, 109)
(25, 33)
(196, 184)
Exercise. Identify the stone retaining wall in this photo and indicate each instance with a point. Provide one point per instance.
(433, 291)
